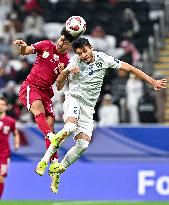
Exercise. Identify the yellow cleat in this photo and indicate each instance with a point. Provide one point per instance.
(56, 167)
(58, 139)
(55, 182)
(41, 167)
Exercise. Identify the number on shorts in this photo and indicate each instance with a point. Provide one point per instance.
(4, 168)
(75, 110)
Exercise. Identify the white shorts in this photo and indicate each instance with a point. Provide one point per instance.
(84, 114)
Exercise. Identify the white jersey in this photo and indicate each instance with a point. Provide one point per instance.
(86, 85)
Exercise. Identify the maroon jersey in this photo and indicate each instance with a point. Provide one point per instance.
(45, 69)
(7, 125)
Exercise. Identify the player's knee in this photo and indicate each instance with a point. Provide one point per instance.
(37, 107)
(51, 124)
(82, 145)
(1, 179)
(70, 127)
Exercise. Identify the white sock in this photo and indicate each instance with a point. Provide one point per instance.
(50, 135)
(75, 152)
(50, 151)
(70, 157)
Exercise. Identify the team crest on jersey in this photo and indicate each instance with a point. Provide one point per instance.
(56, 57)
(45, 54)
(99, 64)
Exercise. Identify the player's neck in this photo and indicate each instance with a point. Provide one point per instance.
(61, 52)
(93, 58)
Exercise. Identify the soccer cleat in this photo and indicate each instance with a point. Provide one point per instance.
(56, 167)
(55, 182)
(41, 167)
(58, 139)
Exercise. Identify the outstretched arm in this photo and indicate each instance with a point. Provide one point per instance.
(157, 84)
(24, 48)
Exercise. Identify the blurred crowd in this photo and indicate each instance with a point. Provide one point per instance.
(117, 27)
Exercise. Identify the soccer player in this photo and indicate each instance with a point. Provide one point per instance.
(36, 91)
(7, 126)
(80, 99)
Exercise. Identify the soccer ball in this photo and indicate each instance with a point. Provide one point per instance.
(75, 26)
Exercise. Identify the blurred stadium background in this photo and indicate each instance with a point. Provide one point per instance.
(128, 156)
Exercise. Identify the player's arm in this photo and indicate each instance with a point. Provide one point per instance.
(24, 48)
(16, 138)
(62, 78)
(64, 73)
(157, 84)
(72, 68)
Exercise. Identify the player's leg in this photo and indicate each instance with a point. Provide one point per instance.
(4, 164)
(69, 127)
(40, 104)
(83, 135)
(82, 142)
(40, 169)
(55, 178)
(71, 114)
(32, 99)
(38, 110)
(50, 121)
(1, 185)
(51, 154)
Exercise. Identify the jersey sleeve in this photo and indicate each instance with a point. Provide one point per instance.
(114, 62)
(41, 46)
(111, 61)
(73, 62)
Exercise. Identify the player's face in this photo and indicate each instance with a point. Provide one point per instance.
(85, 54)
(3, 106)
(63, 44)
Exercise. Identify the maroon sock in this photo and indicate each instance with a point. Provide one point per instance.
(1, 189)
(54, 156)
(42, 123)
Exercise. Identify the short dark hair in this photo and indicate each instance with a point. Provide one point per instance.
(67, 35)
(4, 99)
(80, 43)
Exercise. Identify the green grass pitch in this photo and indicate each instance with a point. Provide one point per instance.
(78, 203)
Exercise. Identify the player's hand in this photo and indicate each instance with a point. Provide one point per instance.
(19, 43)
(75, 70)
(158, 84)
(16, 146)
(61, 67)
